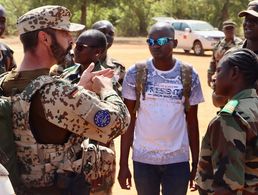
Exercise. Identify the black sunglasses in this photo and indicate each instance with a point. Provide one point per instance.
(160, 41)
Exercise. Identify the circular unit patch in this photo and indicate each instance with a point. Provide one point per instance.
(102, 118)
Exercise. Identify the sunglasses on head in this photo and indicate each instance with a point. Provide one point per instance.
(80, 47)
(160, 41)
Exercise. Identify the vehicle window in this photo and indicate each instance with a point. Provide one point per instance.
(201, 26)
(177, 25)
(184, 26)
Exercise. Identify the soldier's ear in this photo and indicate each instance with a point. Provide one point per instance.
(235, 72)
(44, 38)
(99, 52)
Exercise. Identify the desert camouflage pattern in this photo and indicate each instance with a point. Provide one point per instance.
(97, 161)
(220, 48)
(49, 16)
(38, 162)
(229, 151)
(74, 109)
(71, 108)
(100, 180)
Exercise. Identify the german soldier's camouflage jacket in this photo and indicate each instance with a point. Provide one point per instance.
(220, 48)
(102, 174)
(72, 108)
(229, 151)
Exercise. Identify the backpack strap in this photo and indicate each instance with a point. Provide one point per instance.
(186, 77)
(36, 85)
(140, 84)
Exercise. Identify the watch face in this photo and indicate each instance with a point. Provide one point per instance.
(102, 118)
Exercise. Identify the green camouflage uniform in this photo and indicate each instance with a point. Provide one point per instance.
(229, 151)
(220, 48)
(103, 184)
(7, 62)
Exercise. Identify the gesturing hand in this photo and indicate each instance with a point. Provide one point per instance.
(87, 76)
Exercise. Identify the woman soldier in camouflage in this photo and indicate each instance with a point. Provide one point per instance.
(228, 159)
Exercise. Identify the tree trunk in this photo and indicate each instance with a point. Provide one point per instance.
(84, 12)
(224, 14)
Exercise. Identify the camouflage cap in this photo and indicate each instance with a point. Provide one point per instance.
(49, 16)
(252, 9)
(228, 23)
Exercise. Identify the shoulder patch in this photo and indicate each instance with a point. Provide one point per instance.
(230, 106)
(102, 118)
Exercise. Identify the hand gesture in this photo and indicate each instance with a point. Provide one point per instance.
(100, 83)
(87, 76)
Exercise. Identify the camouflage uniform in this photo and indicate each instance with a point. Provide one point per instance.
(68, 107)
(73, 74)
(6, 58)
(228, 157)
(66, 112)
(220, 48)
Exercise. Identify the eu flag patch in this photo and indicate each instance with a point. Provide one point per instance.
(102, 118)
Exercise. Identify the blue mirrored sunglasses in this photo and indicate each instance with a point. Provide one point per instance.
(160, 41)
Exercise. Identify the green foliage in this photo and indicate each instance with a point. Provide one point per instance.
(14, 9)
(132, 18)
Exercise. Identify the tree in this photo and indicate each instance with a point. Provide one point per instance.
(132, 18)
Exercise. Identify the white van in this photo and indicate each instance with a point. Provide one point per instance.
(195, 35)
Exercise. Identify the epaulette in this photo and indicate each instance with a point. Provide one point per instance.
(230, 107)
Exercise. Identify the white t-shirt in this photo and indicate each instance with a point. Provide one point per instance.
(160, 135)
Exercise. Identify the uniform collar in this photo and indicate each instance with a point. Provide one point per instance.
(246, 93)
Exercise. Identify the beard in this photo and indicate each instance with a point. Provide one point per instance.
(59, 52)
